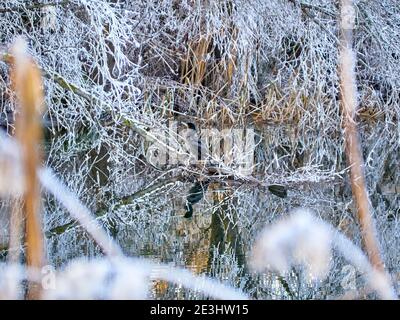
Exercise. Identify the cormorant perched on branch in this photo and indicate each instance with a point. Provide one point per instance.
(196, 192)
(194, 143)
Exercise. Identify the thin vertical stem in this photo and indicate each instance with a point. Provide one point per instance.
(28, 86)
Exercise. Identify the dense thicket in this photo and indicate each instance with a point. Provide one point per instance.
(118, 72)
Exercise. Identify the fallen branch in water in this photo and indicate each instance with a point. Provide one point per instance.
(124, 201)
(79, 212)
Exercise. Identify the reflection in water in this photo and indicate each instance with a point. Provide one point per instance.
(144, 211)
(195, 194)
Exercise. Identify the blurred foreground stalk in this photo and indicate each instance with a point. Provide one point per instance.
(348, 90)
(28, 87)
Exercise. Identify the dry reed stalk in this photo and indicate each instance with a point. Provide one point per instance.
(28, 87)
(194, 66)
(348, 91)
(16, 224)
(230, 66)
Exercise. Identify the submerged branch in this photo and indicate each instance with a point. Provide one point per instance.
(79, 212)
(124, 201)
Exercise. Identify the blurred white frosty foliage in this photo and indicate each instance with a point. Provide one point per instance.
(100, 279)
(302, 239)
(10, 168)
(10, 277)
(117, 278)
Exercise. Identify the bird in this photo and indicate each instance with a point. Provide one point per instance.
(195, 194)
(193, 142)
(199, 151)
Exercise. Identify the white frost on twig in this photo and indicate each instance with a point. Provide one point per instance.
(78, 211)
